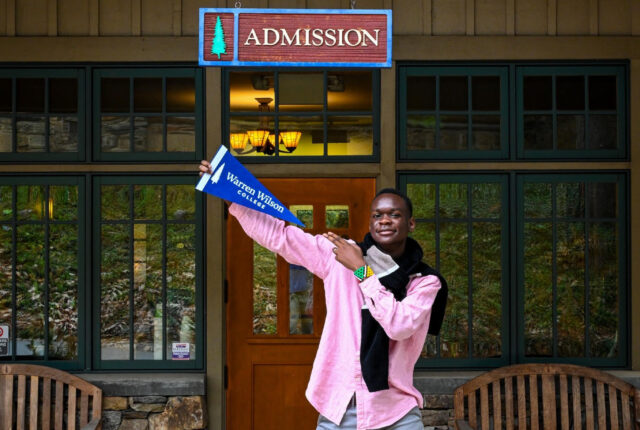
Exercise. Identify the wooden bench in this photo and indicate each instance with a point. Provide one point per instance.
(546, 396)
(29, 401)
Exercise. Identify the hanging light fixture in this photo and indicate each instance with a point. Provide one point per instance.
(258, 138)
(290, 139)
(238, 141)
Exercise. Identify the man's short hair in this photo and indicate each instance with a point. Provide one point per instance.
(407, 200)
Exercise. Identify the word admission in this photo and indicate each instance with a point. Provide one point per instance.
(313, 37)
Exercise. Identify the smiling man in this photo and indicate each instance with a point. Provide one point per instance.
(381, 301)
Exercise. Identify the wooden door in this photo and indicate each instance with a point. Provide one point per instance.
(275, 312)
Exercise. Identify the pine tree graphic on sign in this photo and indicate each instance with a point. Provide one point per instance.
(218, 46)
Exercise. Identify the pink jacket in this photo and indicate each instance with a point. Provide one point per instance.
(336, 373)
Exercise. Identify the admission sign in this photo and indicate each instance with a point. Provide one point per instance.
(295, 37)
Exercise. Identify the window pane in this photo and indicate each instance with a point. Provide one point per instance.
(300, 300)
(259, 129)
(421, 132)
(304, 213)
(486, 200)
(537, 93)
(603, 131)
(570, 92)
(30, 291)
(569, 200)
(421, 93)
(312, 135)
(6, 135)
(63, 202)
(63, 133)
(245, 87)
(423, 198)
(537, 200)
(181, 134)
(181, 95)
(63, 290)
(454, 93)
(349, 91)
(147, 134)
(147, 94)
(30, 95)
(571, 132)
(453, 201)
(6, 276)
(63, 95)
(603, 285)
(147, 287)
(337, 216)
(486, 132)
(486, 92)
(30, 203)
(115, 134)
(6, 98)
(350, 135)
(30, 134)
(114, 292)
(114, 95)
(265, 287)
(454, 132)
(538, 132)
(603, 200)
(425, 235)
(602, 93)
(147, 202)
(181, 202)
(570, 289)
(115, 202)
(6, 199)
(538, 297)
(301, 91)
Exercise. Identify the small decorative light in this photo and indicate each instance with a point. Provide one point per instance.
(238, 140)
(258, 138)
(290, 139)
(272, 139)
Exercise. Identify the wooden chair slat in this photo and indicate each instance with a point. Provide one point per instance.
(508, 401)
(497, 405)
(588, 402)
(549, 402)
(59, 410)
(613, 407)
(458, 404)
(33, 404)
(626, 411)
(522, 403)
(97, 405)
(7, 407)
(602, 407)
(46, 403)
(484, 407)
(564, 403)
(576, 395)
(20, 409)
(84, 409)
(71, 408)
(472, 410)
(533, 400)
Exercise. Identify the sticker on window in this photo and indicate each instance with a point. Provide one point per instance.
(180, 351)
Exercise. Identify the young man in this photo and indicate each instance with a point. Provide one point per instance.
(381, 301)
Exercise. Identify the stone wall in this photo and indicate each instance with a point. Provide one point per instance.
(154, 413)
(438, 412)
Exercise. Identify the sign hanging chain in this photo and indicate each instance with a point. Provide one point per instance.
(353, 4)
(238, 4)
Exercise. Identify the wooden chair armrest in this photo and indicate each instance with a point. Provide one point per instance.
(95, 424)
(462, 425)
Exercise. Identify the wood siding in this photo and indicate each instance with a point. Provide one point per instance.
(410, 17)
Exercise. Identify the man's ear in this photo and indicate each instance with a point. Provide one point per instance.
(412, 224)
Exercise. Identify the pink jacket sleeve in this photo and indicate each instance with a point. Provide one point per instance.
(401, 319)
(290, 242)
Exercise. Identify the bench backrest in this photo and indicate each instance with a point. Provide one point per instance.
(547, 396)
(33, 397)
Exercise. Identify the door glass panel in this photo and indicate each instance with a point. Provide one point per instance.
(300, 300)
(337, 216)
(265, 299)
(304, 213)
(350, 135)
(30, 133)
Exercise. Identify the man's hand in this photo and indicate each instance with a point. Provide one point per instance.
(348, 254)
(205, 167)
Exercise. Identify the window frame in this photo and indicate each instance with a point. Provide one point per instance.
(48, 72)
(324, 113)
(82, 261)
(132, 364)
(148, 72)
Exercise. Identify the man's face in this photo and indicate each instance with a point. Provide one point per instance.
(390, 223)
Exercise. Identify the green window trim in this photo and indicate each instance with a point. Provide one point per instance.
(82, 298)
(405, 72)
(324, 113)
(166, 362)
(586, 71)
(163, 114)
(47, 74)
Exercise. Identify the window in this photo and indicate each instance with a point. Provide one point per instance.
(41, 114)
(101, 270)
(536, 260)
(312, 115)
